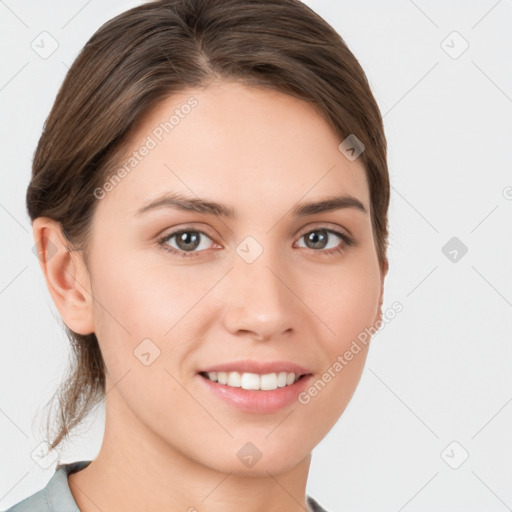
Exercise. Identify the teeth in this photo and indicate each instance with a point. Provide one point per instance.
(266, 382)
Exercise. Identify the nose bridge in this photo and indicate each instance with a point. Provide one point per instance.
(260, 300)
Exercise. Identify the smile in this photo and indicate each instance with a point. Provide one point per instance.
(254, 381)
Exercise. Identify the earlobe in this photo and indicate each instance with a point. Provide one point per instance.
(65, 274)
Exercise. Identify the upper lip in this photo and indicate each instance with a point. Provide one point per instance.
(253, 366)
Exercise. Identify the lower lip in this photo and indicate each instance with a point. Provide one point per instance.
(258, 401)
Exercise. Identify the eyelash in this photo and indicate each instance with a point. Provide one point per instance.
(348, 242)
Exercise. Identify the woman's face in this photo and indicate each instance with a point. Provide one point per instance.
(264, 284)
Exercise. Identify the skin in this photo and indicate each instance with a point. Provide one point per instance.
(169, 444)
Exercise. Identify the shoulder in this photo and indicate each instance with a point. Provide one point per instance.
(37, 501)
(314, 505)
(56, 495)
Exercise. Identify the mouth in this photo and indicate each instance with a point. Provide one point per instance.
(255, 393)
(254, 381)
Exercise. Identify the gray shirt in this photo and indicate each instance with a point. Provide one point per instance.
(57, 497)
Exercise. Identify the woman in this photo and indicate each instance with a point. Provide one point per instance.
(209, 198)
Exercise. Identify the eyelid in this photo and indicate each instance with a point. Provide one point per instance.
(183, 227)
(304, 230)
(324, 225)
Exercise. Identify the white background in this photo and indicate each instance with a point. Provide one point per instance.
(441, 370)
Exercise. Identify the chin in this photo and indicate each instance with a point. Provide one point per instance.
(256, 458)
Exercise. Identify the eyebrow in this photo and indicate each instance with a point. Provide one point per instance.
(193, 204)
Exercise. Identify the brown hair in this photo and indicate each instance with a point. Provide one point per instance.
(152, 51)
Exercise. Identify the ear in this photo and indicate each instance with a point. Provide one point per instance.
(383, 273)
(66, 275)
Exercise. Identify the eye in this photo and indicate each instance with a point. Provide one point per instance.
(187, 241)
(317, 240)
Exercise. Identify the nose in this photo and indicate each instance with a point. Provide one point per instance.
(260, 298)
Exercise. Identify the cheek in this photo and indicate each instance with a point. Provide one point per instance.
(136, 298)
(348, 308)
(143, 307)
(348, 304)
(135, 307)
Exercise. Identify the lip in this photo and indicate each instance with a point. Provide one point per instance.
(260, 367)
(256, 401)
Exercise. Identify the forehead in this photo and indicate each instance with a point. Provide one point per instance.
(242, 145)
